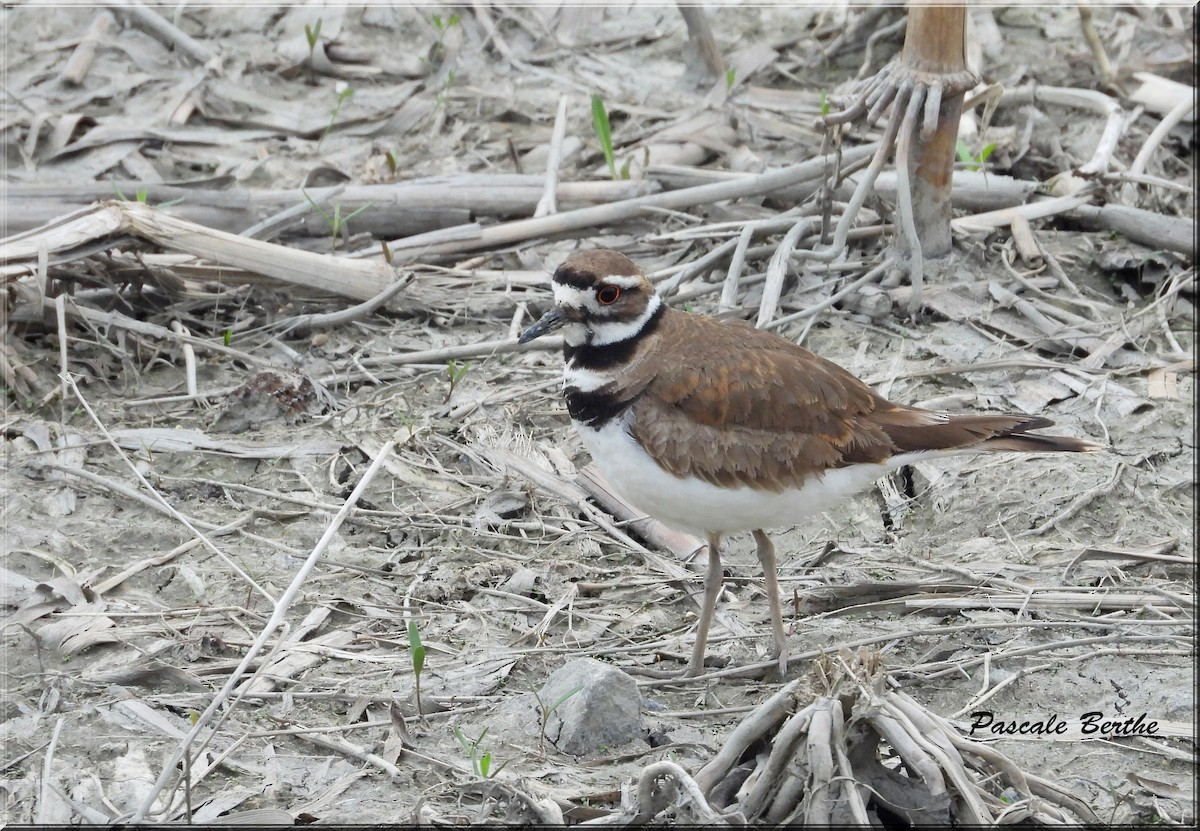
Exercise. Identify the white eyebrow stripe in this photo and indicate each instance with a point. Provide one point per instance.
(625, 281)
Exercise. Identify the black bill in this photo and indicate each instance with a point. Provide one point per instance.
(551, 321)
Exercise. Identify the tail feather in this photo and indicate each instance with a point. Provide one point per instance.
(1034, 443)
(912, 429)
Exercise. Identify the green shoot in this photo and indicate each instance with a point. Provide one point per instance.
(730, 78)
(973, 162)
(312, 34)
(344, 92)
(824, 103)
(963, 152)
(603, 133)
(547, 711)
(444, 27)
(392, 164)
(142, 196)
(417, 650)
(455, 372)
(440, 100)
(481, 763)
(228, 337)
(337, 223)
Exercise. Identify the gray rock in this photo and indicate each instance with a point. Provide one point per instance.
(605, 713)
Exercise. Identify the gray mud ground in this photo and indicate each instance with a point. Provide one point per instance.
(1076, 571)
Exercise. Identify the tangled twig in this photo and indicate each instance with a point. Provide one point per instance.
(860, 751)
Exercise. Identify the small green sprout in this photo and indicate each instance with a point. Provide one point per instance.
(337, 223)
(417, 650)
(444, 27)
(603, 133)
(481, 763)
(973, 162)
(730, 78)
(455, 372)
(312, 34)
(142, 196)
(547, 711)
(443, 91)
(344, 92)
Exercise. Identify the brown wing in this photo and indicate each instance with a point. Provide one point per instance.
(738, 406)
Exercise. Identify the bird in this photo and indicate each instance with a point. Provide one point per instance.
(716, 427)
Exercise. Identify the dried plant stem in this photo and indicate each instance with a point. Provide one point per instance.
(701, 36)
(770, 713)
(525, 229)
(778, 266)
(305, 323)
(1169, 121)
(1080, 99)
(189, 359)
(548, 204)
(651, 800)
(1094, 43)
(154, 23)
(80, 62)
(870, 276)
(117, 320)
(758, 669)
(351, 750)
(468, 350)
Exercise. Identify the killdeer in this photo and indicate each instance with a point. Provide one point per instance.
(715, 427)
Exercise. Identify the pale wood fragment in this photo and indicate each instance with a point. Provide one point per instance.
(80, 62)
(359, 279)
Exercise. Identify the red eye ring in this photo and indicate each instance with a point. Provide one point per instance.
(607, 295)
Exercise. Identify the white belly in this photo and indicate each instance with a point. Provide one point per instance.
(695, 505)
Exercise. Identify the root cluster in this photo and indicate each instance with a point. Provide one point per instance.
(860, 753)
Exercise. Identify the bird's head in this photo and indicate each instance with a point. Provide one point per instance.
(600, 297)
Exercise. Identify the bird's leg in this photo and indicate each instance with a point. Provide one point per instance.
(712, 589)
(766, 556)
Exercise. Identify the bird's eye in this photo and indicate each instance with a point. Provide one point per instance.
(607, 295)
